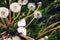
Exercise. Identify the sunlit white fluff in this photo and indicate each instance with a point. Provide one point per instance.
(22, 30)
(16, 38)
(15, 7)
(37, 14)
(23, 2)
(39, 4)
(4, 12)
(31, 6)
(46, 37)
(22, 22)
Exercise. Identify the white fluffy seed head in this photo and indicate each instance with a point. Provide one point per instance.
(39, 4)
(21, 30)
(22, 22)
(16, 38)
(4, 12)
(23, 2)
(37, 14)
(31, 6)
(15, 7)
(46, 37)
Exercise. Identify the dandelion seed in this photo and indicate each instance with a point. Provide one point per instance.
(22, 30)
(31, 6)
(4, 12)
(23, 2)
(22, 22)
(37, 14)
(39, 4)
(15, 7)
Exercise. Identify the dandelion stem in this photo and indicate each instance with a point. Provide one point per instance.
(28, 16)
(9, 10)
(30, 22)
(52, 25)
(3, 21)
(27, 37)
(10, 16)
(28, 12)
(16, 17)
(47, 31)
(49, 19)
(38, 7)
(52, 33)
(8, 22)
(13, 15)
(2, 25)
(3, 33)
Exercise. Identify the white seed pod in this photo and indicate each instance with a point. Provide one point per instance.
(15, 7)
(46, 37)
(23, 2)
(31, 6)
(21, 30)
(39, 4)
(16, 38)
(4, 12)
(22, 22)
(37, 14)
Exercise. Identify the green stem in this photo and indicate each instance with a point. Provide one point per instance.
(38, 7)
(28, 12)
(47, 31)
(30, 22)
(9, 11)
(52, 33)
(16, 17)
(13, 15)
(3, 21)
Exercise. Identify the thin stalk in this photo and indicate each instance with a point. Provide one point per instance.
(47, 31)
(28, 16)
(3, 33)
(52, 33)
(13, 15)
(9, 10)
(29, 22)
(28, 12)
(38, 7)
(49, 19)
(3, 21)
(2, 25)
(26, 37)
(16, 17)
(8, 22)
(52, 25)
